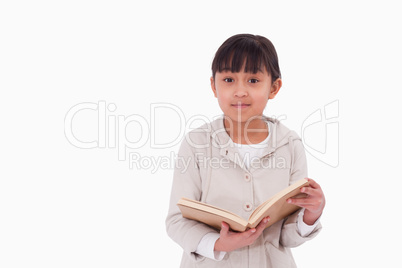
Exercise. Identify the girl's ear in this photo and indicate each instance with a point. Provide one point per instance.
(276, 86)
(213, 86)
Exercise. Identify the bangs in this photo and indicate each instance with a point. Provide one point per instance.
(252, 53)
(241, 56)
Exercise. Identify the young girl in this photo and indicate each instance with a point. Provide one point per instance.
(240, 160)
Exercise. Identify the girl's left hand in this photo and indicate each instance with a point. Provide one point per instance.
(314, 203)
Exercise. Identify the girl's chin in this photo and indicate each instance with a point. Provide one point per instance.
(242, 119)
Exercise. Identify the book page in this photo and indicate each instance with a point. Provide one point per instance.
(277, 207)
(211, 215)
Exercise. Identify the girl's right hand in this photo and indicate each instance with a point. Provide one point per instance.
(229, 241)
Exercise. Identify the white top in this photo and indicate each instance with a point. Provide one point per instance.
(250, 152)
(247, 154)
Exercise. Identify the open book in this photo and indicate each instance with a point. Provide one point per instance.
(276, 208)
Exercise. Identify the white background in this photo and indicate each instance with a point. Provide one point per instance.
(64, 206)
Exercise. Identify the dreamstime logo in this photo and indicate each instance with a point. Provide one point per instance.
(115, 131)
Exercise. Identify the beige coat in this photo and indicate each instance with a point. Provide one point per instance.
(208, 169)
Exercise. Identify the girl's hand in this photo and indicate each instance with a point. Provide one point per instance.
(229, 241)
(314, 202)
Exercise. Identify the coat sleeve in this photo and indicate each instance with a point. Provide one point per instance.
(290, 236)
(186, 183)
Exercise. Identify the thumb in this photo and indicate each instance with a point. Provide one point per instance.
(224, 227)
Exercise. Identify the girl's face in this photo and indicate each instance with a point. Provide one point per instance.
(243, 96)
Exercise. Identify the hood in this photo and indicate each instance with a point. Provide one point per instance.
(280, 135)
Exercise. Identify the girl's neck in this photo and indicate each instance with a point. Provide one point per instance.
(250, 132)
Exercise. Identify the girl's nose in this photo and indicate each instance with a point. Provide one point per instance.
(241, 91)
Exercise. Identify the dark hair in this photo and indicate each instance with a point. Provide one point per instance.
(252, 51)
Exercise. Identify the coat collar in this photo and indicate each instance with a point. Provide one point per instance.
(279, 136)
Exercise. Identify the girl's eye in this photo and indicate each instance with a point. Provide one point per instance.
(253, 81)
(229, 80)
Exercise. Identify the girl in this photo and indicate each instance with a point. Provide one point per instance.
(240, 160)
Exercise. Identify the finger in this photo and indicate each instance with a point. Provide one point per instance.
(249, 232)
(313, 183)
(224, 228)
(302, 205)
(309, 203)
(258, 229)
(301, 201)
(261, 226)
(309, 190)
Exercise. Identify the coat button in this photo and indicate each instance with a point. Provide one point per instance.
(247, 206)
(247, 177)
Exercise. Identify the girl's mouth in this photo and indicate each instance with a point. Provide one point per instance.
(240, 105)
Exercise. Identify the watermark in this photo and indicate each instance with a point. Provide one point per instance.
(320, 134)
(199, 160)
(112, 128)
(128, 134)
